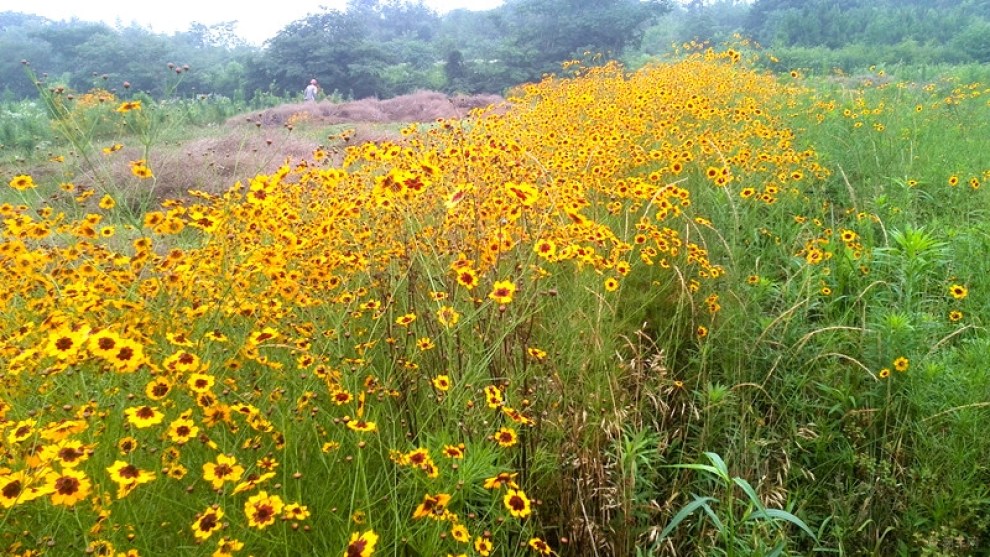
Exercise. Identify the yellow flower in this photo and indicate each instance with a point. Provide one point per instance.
(502, 291)
(518, 504)
(17, 487)
(493, 396)
(441, 383)
(207, 522)
(262, 509)
(200, 382)
(143, 416)
(506, 437)
(433, 506)
(361, 544)
(448, 316)
(224, 470)
(68, 487)
(958, 291)
(295, 511)
(901, 364)
(361, 426)
(182, 429)
(128, 106)
(460, 533)
(127, 477)
(540, 546)
(227, 547)
(141, 170)
(22, 182)
(483, 546)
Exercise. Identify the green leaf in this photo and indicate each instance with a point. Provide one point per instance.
(703, 467)
(723, 470)
(777, 514)
(750, 492)
(684, 513)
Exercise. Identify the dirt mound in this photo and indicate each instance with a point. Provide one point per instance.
(421, 106)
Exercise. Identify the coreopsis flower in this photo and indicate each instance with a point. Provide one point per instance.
(68, 453)
(207, 522)
(483, 546)
(518, 504)
(467, 277)
(22, 182)
(506, 437)
(143, 416)
(441, 383)
(361, 426)
(65, 342)
(225, 469)
(536, 353)
(361, 544)
(158, 388)
(67, 487)
(540, 546)
(252, 482)
(901, 364)
(454, 451)
(128, 476)
(127, 357)
(502, 291)
(182, 429)
(493, 396)
(295, 511)
(448, 316)
(525, 194)
(128, 106)
(141, 170)
(507, 479)
(200, 382)
(226, 547)
(433, 506)
(20, 487)
(262, 509)
(460, 533)
(958, 291)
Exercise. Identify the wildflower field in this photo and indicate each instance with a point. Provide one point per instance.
(697, 308)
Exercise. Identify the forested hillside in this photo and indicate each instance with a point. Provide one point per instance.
(386, 48)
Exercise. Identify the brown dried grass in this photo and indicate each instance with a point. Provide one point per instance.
(261, 143)
(420, 106)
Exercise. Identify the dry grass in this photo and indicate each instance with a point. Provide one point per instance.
(421, 106)
(260, 143)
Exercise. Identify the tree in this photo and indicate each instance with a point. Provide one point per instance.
(540, 34)
(330, 46)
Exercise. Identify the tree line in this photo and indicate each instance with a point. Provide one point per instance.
(385, 48)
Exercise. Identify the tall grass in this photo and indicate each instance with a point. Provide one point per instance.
(692, 309)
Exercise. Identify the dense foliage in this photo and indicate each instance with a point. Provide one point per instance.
(385, 48)
(691, 309)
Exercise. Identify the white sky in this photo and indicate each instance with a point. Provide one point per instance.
(256, 21)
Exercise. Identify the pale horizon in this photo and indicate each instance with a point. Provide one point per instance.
(255, 24)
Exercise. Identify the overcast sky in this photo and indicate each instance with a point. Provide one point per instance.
(257, 21)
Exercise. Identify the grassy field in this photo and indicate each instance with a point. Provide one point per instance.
(696, 309)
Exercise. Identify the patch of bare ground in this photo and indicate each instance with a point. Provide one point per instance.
(421, 106)
(260, 143)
